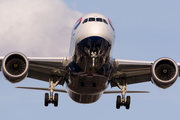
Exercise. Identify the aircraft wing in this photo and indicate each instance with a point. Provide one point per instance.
(131, 70)
(41, 68)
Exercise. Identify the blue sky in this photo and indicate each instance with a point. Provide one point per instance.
(145, 30)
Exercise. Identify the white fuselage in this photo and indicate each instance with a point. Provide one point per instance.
(91, 28)
(92, 40)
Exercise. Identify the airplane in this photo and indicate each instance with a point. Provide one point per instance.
(89, 69)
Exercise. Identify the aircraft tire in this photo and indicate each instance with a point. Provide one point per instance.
(56, 99)
(46, 102)
(128, 99)
(118, 102)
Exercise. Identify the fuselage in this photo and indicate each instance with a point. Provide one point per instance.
(90, 69)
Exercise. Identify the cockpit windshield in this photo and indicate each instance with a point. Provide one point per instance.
(99, 19)
(85, 20)
(105, 21)
(92, 19)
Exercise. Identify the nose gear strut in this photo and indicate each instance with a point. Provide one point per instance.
(93, 55)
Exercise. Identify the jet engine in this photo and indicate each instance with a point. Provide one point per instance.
(164, 72)
(15, 67)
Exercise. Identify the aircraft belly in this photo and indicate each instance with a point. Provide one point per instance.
(84, 98)
(86, 89)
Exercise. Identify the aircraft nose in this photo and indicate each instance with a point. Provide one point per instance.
(95, 30)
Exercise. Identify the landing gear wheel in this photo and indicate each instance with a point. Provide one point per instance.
(56, 99)
(46, 102)
(118, 102)
(128, 99)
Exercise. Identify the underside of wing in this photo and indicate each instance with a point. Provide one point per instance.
(16, 66)
(163, 72)
(131, 71)
(43, 68)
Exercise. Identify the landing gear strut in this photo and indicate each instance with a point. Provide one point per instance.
(51, 98)
(123, 101)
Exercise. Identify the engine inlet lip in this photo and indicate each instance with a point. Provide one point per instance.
(3, 68)
(165, 59)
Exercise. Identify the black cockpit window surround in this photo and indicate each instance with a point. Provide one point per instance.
(99, 19)
(85, 20)
(91, 19)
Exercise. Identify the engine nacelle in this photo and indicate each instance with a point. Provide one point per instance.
(164, 72)
(15, 67)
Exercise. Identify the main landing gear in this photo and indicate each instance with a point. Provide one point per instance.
(52, 98)
(123, 101)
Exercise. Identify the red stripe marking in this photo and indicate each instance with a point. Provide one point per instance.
(79, 20)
